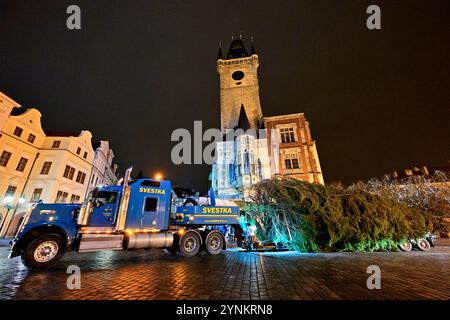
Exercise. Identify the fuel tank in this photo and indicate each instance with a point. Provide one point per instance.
(150, 240)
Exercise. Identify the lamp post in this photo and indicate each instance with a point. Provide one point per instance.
(7, 203)
(18, 204)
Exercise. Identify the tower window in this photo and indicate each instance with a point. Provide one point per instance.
(287, 135)
(291, 162)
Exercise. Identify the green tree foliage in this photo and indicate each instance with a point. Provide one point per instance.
(312, 217)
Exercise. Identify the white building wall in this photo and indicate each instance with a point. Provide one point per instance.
(38, 151)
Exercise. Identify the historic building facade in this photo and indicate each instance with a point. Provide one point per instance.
(41, 166)
(268, 147)
(103, 171)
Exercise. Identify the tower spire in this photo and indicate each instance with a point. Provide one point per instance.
(219, 54)
(253, 50)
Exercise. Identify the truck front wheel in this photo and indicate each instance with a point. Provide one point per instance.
(43, 252)
(189, 244)
(214, 242)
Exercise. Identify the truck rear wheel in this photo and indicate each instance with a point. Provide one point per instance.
(189, 244)
(406, 246)
(43, 252)
(214, 242)
(423, 245)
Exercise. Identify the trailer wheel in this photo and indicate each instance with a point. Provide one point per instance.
(406, 246)
(423, 245)
(189, 244)
(43, 252)
(214, 242)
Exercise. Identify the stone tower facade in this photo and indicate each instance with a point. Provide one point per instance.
(283, 146)
(239, 87)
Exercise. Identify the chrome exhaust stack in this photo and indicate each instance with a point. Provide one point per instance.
(123, 206)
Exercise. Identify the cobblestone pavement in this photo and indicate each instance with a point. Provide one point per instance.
(154, 274)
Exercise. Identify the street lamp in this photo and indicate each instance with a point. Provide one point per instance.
(7, 203)
(158, 176)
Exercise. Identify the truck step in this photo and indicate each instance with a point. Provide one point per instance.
(96, 242)
(96, 230)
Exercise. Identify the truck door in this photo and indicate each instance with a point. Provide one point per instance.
(153, 215)
(104, 209)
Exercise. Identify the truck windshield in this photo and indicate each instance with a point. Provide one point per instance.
(103, 197)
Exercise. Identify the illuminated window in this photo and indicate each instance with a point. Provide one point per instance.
(61, 197)
(36, 196)
(75, 198)
(11, 191)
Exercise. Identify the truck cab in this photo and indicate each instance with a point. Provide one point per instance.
(139, 214)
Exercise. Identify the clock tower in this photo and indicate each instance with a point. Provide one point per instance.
(239, 87)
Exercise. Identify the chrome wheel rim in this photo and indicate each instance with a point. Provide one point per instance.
(406, 246)
(424, 245)
(46, 251)
(190, 244)
(214, 242)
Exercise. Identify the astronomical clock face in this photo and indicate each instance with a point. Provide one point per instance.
(238, 75)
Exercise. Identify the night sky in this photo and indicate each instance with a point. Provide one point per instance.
(376, 100)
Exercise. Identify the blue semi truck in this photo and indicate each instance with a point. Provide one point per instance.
(137, 214)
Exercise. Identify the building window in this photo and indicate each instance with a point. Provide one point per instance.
(61, 197)
(78, 150)
(11, 191)
(31, 138)
(291, 162)
(46, 167)
(69, 172)
(85, 155)
(4, 158)
(18, 131)
(80, 177)
(22, 164)
(36, 196)
(56, 144)
(74, 198)
(287, 135)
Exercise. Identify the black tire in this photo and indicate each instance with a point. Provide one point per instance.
(189, 244)
(190, 202)
(423, 245)
(214, 242)
(43, 252)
